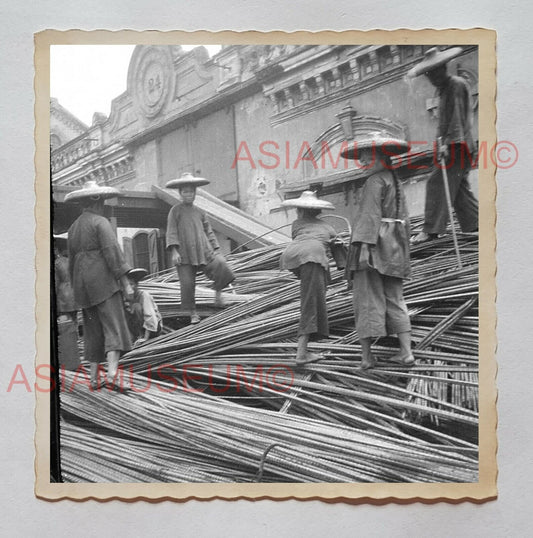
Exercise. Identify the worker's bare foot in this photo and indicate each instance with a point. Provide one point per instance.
(95, 385)
(306, 358)
(406, 360)
(117, 387)
(422, 237)
(195, 319)
(369, 361)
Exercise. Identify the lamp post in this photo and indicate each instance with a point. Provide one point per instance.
(345, 119)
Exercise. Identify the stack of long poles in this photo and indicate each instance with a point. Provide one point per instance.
(432, 405)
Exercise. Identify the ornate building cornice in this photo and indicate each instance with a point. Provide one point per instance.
(110, 165)
(67, 117)
(355, 72)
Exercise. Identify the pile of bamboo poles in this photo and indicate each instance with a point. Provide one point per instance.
(179, 437)
(167, 297)
(430, 406)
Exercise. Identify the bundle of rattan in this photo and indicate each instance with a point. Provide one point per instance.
(432, 404)
(177, 436)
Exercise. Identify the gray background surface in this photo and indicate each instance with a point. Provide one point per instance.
(22, 514)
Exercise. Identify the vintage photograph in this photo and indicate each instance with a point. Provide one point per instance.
(265, 266)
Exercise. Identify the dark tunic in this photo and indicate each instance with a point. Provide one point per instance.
(189, 230)
(96, 265)
(455, 113)
(379, 306)
(455, 129)
(96, 260)
(307, 257)
(378, 224)
(310, 243)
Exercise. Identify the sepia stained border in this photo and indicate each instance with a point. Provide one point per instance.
(375, 493)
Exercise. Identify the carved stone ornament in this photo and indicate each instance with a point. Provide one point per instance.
(150, 79)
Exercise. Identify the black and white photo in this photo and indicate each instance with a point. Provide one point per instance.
(271, 265)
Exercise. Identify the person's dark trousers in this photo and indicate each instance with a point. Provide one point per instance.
(464, 202)
(187, 276)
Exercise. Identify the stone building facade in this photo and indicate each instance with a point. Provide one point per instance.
(64, 126)
(262, 122)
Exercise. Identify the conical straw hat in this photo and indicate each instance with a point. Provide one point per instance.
(433, 58)
(92, 189)
(186, 179)
(308, 200)
(387, 145)
(138, 273)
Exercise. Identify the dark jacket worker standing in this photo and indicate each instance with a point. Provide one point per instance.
(378, 256)
(98, 275)
(193, 246)
(455, 145)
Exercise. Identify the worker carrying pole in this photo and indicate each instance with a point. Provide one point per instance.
(442, 162)
(455, 126)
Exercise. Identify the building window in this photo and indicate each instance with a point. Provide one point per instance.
(384, 58)
(281, 100)
(346, 74)
(407, 52)
(141, 255)
(296, 94)
(145, 250)
(329, 81)
(312, 88)
(365, 66)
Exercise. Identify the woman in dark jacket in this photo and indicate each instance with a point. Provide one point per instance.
(193, 245)
(378, 257)
(98, 275)
(307, 258)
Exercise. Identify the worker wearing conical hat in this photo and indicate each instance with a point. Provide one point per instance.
(98, 274)
(144, 318)
(193, 245)
(378, 256)
(455, 146)
(307, 258)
